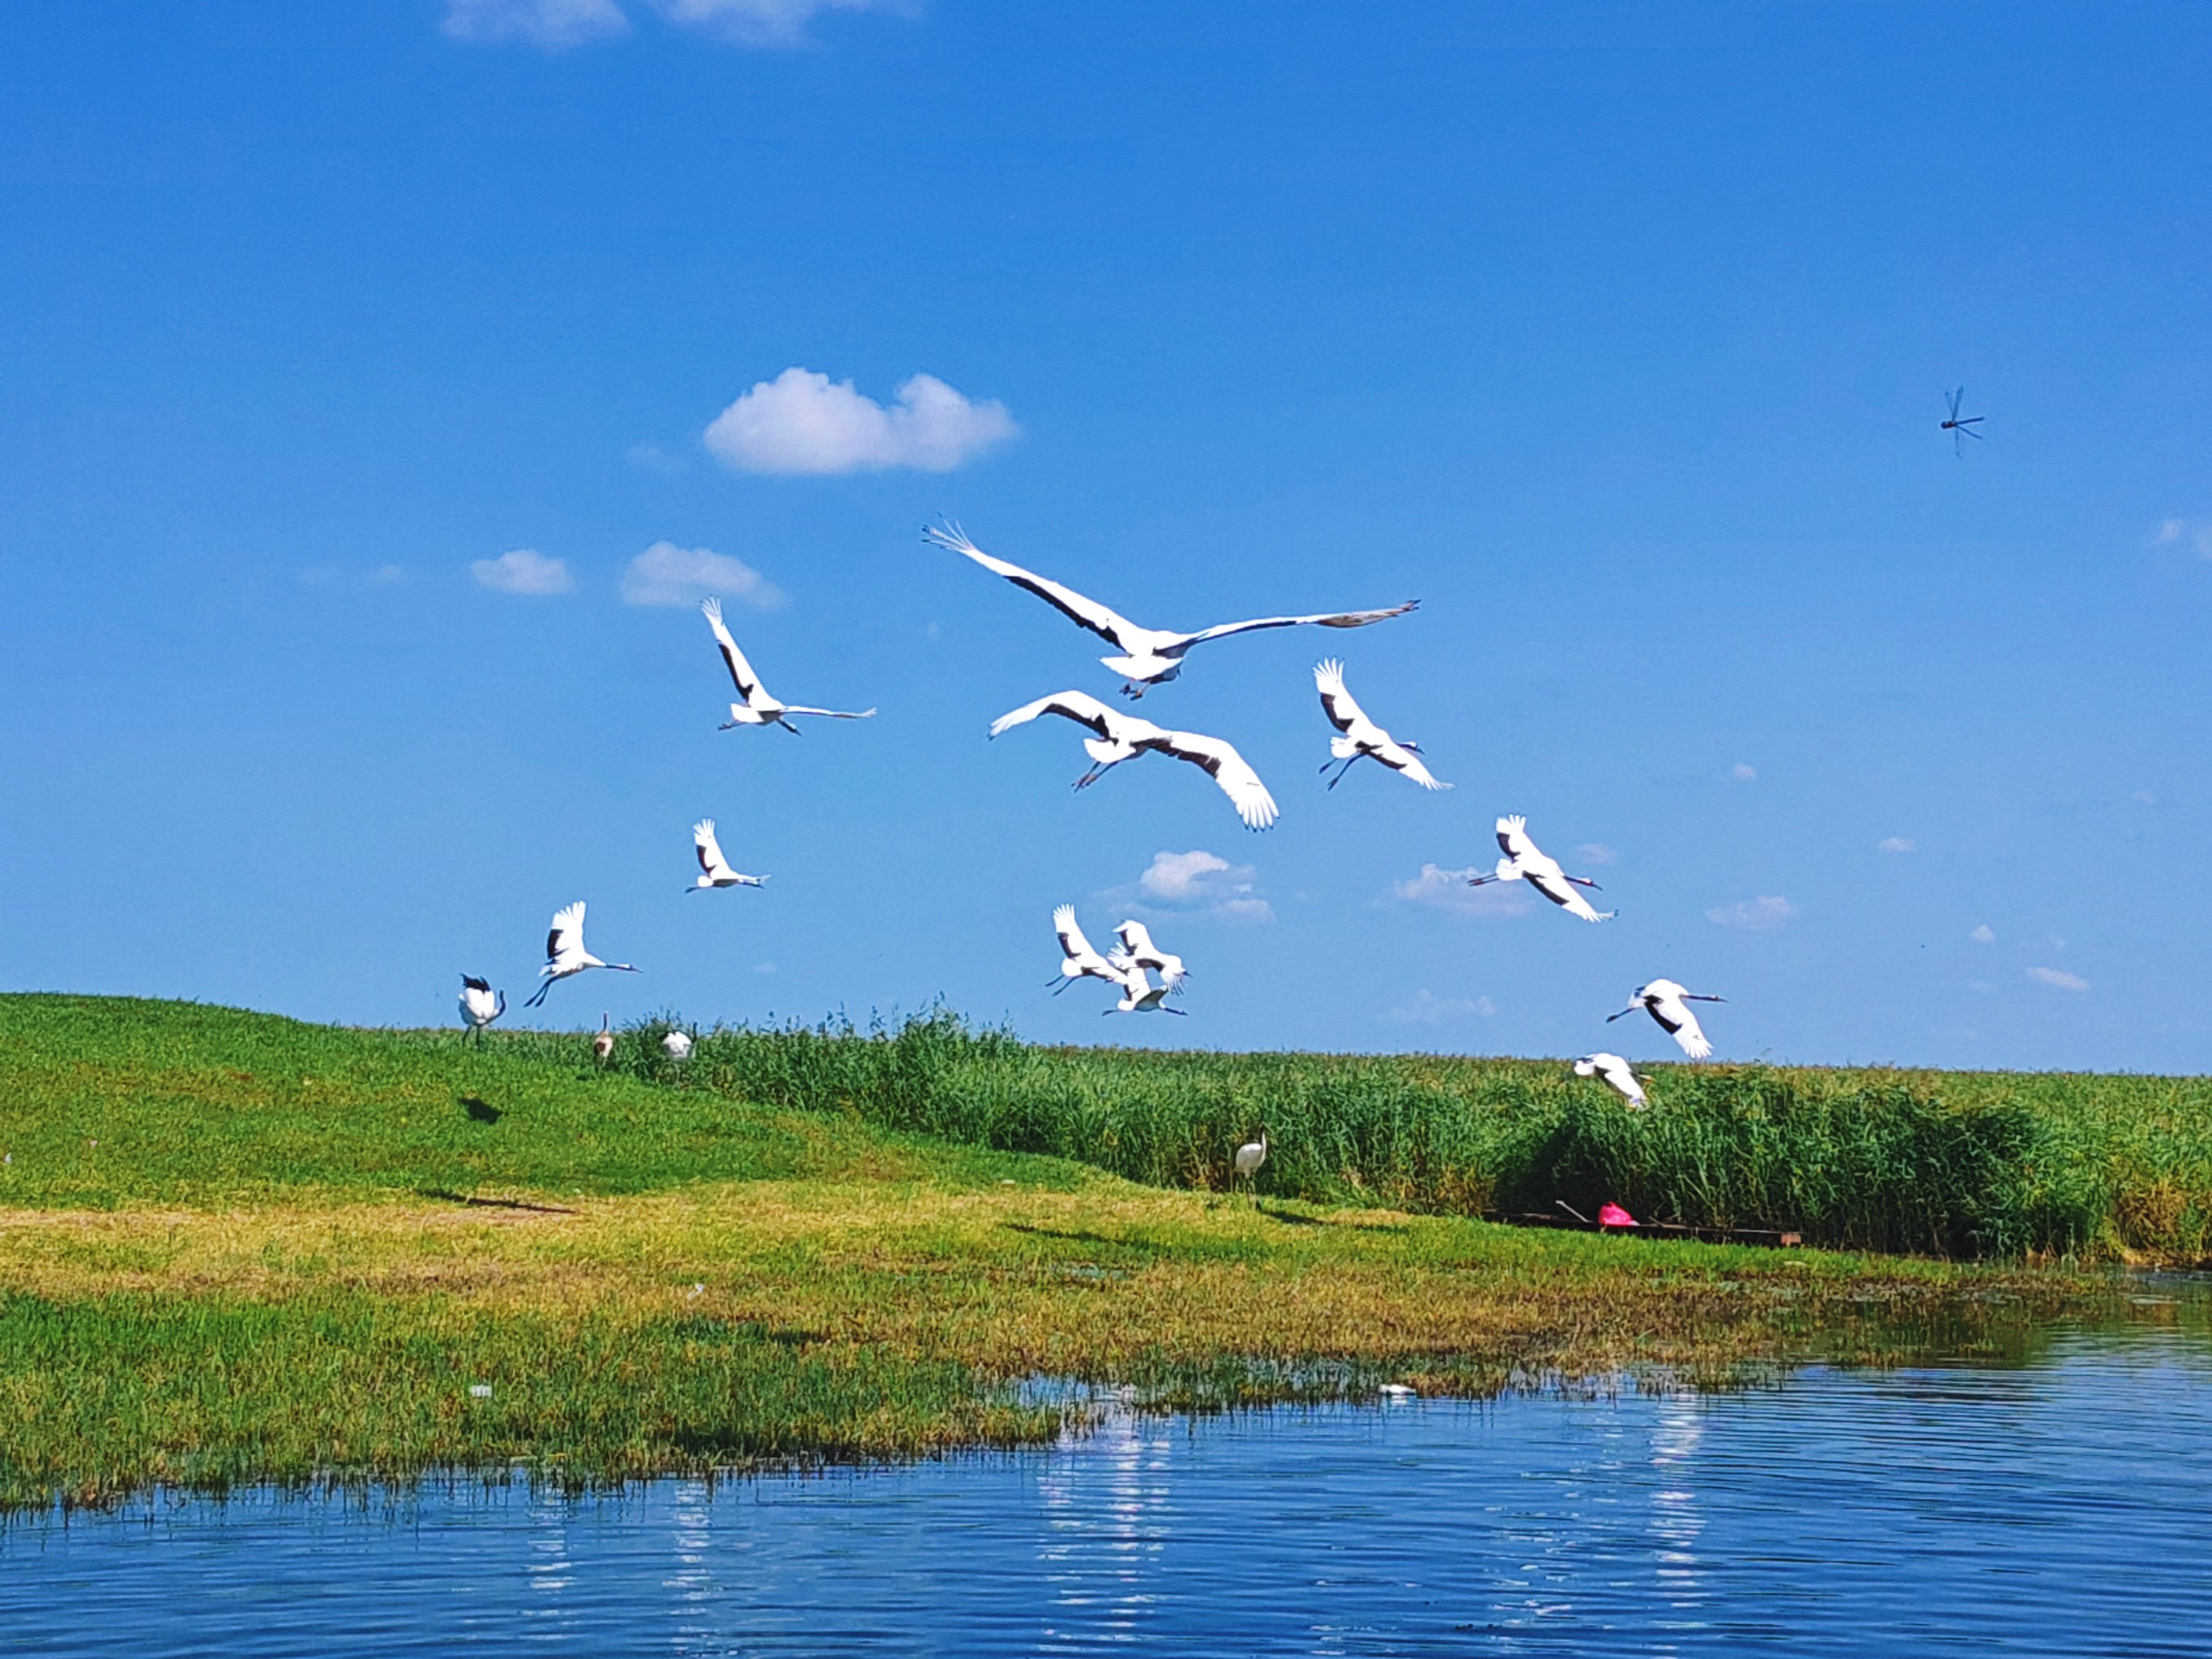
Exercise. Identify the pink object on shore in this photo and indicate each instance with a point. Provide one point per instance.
(1611, 1215)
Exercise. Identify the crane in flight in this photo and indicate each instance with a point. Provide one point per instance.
(1525, 861)
(565, 954)
(1078, 959)
(1144, 657)
(1960, 428)
(1669, 1004)
(1615, 1073)
(1358, 737)
(1123, 737)
(714, 869)
(759, 708)
(1139, 951)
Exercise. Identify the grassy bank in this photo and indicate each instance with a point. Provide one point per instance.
(238, 1248)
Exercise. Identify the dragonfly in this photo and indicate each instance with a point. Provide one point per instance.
(1960, 428)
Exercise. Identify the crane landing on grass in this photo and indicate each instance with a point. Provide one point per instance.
(1144, 657)
(478, 1007)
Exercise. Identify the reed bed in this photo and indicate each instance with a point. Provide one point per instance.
(1964, 1164)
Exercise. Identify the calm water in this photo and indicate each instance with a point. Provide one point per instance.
(2064, 1507)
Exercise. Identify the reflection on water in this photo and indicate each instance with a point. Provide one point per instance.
(2062, 1508)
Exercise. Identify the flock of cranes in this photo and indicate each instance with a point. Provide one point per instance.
(1143, 657)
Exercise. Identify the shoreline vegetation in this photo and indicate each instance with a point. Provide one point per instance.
(239, 1250)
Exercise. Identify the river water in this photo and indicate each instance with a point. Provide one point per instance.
(2062, 1507)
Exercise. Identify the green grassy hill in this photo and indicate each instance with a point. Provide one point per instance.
(236, 1248)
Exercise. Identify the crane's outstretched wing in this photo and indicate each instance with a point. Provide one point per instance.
(567, 933)
(830, 713)
(741, 672)
(1336, 619)
(1691, 1037)
(1335, 702)
(1229, 769)
(709, 850)
(1078, 706)
(1136, 937)
(1398, 759)
(1513, 838)
(1102, 620)
(1073, 943)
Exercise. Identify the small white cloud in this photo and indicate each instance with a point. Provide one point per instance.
(1448, 889)
(803, 423)
(666, 574)
(1425, 1007)
(1743, 773)
(1983, 935)
(1897, 844)
(2059, 977)
(1753, 915)
(1197, 883)
(761, 22)
(524, 571)
(1598, 852)
(551, 24)
(2144, 798)
(2195, 534)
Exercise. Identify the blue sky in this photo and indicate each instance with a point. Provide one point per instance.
(1617, 334)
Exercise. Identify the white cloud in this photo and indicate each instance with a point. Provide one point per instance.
(524, 571)
(1983, 935)
(1754, 916)
(1743, 774)
(551, 24)
(1897, 844)
(1448, 890)
(666, 574)
(1196, 884)
(803, 423)
(1598, 852)
(1425, 1007)
(761, 22)
(2059, 977)
(2195, 534)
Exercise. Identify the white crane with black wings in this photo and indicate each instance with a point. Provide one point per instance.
(1123, 737)
(565, 954)
(714, 870)
(1359, 738)
(1616, 1073)
(1667, 1002)
(1138, 950)
(759, 708)
(1525, 861)
(1144, 657)
(1078, 959)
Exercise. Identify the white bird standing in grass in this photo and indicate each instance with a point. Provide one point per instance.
(1078, 959)
(714, 869)
(478, 1007)
(1616, 1073)
(565, 954)
(602, 1042)
(1144, 656)
(1669, 1004)
(1138, 950)
(1250, 1157)
(1525, 861)
(676, 1045)
(1121, 737)
(759, 708)
(1358, 736)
